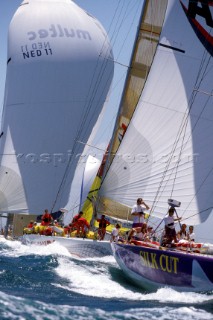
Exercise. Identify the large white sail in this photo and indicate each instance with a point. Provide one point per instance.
(60, 67)
(167, 150)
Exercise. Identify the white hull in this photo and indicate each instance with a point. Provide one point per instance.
(78, 246)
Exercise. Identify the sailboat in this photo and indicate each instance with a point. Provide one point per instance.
(162, 149)
(86, 246)
(59, 71)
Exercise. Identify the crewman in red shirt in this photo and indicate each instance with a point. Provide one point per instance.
(80, 224)
(103, 223)
(46, 218)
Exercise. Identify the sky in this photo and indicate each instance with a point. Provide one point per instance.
(120, 20)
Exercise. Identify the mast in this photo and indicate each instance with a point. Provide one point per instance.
(145, 45)
(146, 41)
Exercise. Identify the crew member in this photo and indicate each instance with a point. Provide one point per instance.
(31, 224)
(115, 233)
(46, 218)
(81, 225)
(138, 213)
(170, 232)
(77, 216)
(103, 223)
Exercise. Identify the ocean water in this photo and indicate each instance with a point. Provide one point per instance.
(49, 283)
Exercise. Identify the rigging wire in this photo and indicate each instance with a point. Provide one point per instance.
(115, 34)
(62, 185)
(194, 94)
(182, 131)
(153, 54)
(181, 137)
(192, 99)
(128, 76)
(84, 116)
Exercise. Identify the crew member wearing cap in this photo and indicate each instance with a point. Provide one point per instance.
(103, 223)
(56, 223)
(138, 213)
(170, 232)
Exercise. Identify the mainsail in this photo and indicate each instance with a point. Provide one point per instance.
(166, 151)
(59, 70)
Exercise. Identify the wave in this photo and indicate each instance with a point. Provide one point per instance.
(48, 280)
(12, 307)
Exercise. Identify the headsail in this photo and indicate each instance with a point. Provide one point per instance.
(167, 149)
(89, 174)
(60, 67)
